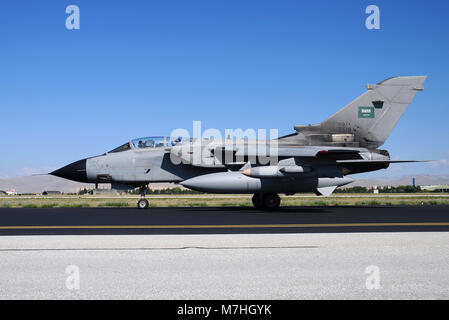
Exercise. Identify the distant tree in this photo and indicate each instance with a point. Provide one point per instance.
(398, 189)
(83, 191)
(356, 189)
(175, 190)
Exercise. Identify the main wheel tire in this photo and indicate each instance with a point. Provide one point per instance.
(271, 201)
(143, 204)
(257, 201)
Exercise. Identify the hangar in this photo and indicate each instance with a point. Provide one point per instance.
(438, 187)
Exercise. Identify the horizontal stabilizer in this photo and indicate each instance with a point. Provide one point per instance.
(379, 161)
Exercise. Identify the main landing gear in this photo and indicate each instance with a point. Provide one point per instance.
(268, 201)
(143, 203)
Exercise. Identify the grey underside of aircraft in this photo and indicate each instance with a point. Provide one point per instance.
(313, 158)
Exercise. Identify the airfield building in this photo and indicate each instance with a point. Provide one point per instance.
(51, 193)
(440, 188)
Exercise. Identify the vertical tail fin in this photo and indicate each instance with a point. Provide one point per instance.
(372, 116)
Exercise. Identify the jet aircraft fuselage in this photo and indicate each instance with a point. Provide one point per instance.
(316, 158)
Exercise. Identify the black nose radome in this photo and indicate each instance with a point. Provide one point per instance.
(75, 171)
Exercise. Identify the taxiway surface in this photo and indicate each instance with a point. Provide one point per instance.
(84, 221)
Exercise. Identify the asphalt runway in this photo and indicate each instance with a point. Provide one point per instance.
(112, 221)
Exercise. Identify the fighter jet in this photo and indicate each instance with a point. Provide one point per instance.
(315, 158)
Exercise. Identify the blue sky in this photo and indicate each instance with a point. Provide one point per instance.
(140, 68)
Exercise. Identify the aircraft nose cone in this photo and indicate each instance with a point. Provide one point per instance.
(75, 171)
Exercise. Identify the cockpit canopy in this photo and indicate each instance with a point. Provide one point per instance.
(151, 142)
(148, 142)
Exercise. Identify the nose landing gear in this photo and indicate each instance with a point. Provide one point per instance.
(268, 201)
(143, 203)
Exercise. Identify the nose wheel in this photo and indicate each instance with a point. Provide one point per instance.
(143, 203)
(269, 201)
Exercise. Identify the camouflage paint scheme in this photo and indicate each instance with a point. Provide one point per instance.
(315, 158)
